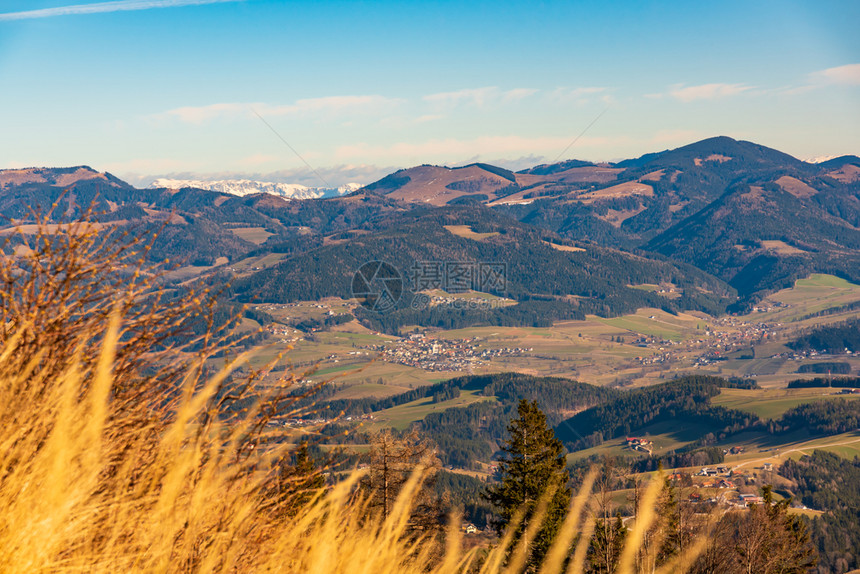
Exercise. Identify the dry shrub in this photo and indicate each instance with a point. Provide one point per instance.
(99, 473)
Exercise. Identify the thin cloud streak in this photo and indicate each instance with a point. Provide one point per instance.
(324, 106)
(478, 96)
(707, 91)
(846, 75)
(104, 7)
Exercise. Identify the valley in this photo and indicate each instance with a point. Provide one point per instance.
(694, 310)
(648, 346)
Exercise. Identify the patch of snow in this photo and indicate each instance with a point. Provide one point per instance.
(243, 187)
(821, 159)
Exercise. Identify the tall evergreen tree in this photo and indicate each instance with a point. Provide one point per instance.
(299, 482)
(533, 462)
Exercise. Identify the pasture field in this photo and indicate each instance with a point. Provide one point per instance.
(658, 323)
(815, 293)
(559, 247)
(257, 235)
(772, 403)
(392, 376)
(244, 266)
(187, 272)
(364, 390)
(402, 416)
(775, 449)
(666, 435)
(759, 448)
(290, 313)
(597, 350)
(645, 287)
(467, 232)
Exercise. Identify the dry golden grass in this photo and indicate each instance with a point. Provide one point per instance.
(796, 187)
(116, 456)
(626, 189)
(559, 247)
(467, 232)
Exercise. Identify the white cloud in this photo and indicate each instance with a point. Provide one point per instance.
(707, 91)
(325, 106)
(428, 118)
(576, 92)
(581, 95)
(200, 114)
(332, 104)
(476, 96)
(844, 75)
(848, 75)
(518, 94)
(102, 7)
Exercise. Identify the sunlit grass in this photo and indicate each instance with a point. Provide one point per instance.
(120, 453)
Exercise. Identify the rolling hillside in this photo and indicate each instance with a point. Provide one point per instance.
(543, 271)
(755, 217)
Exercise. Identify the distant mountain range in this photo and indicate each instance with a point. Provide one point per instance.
(243, 187)
(755, 217)
(724, 221)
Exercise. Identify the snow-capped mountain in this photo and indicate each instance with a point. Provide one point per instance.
(242, 187)
(821, 159)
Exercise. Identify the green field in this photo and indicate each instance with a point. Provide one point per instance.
(815, 293)
(597, 350)
(770, 403)
(402, 416)
(775, 449)
(656, 323)
(817, 280)
(666, 435)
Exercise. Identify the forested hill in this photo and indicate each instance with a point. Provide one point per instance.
(760, 237)
(755, 217)
(836, 339)
(469, 435)
(586, 415)
(581, 278)
(686, 401)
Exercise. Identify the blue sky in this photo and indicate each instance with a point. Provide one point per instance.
(146, 88)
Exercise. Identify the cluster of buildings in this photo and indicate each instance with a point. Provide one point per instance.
(720, 486)
(743, 500)
(284, 334)
(720, 471)
(655, 359)
(320, 422)
(417, 350)
(641, 444)
(766, 306)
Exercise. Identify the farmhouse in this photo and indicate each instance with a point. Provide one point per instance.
(751, 499)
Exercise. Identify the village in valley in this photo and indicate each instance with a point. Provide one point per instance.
(439, 354)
